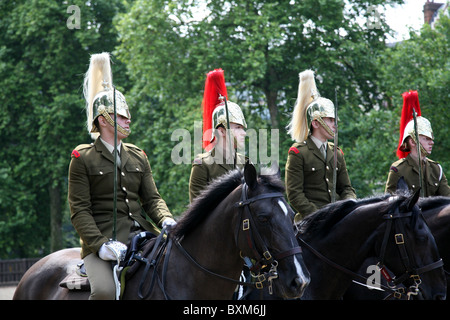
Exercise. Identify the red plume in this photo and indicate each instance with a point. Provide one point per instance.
(214, 88)
(410, 101)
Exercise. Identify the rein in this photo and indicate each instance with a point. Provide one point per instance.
(253, 239)
(393, 282)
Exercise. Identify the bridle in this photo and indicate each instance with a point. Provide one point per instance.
(253, 239)
(413, 272)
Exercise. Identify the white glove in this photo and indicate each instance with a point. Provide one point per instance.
(112, 250)
(169, 222)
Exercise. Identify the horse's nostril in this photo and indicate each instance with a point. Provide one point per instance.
(439, 297)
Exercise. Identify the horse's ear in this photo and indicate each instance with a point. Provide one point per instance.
(250, 175)
(412, 200)
(402, 185)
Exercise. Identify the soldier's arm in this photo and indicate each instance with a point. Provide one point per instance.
(152, 202)
(80, 205)
(344, 187)
(444, 189)
(391, 183)
(197, 181)
(294, 185)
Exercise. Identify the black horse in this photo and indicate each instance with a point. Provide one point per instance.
(239, 215)
(340, 237)
(436, 211)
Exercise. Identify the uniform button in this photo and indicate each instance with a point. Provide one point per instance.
(123, 174)
(329, 190)
(130, 214)
(313, 169)
(413, 186)
(327, 179)
(137, 169)
(435, 184)
(101, 172)
(126, 200)
(328, 168)
(124, 189)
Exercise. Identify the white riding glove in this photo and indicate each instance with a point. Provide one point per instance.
(112, 250)
(169, 222)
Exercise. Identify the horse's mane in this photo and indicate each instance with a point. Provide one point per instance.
(321, 221)
(214, 194)
(433, 202)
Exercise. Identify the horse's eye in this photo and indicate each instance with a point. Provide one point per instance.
(263, 218)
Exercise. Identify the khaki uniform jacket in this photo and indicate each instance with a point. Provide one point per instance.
(309, 178)
(434, 181)
(91, 190)
(205, 169)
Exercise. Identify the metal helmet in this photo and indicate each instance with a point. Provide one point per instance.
(423, 128)
(321, 108)
(99, 94)
(235, 115)
(214, 111)
(308, 107)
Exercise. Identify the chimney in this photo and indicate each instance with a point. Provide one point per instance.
(429, 8)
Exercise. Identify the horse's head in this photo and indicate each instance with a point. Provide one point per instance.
(409, 251)
(266, 235)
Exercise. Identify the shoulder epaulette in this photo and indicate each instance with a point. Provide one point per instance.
(331, 145)
(132, 146)
(76, 151)
(199, 157)
(396, 164)
(295, 147)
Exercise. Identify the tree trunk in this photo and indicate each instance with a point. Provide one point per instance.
(56, 242)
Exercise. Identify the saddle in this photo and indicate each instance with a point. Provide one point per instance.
(141, 246)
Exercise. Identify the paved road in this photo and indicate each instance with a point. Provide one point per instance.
(6, 293)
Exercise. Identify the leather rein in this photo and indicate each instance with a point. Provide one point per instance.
(413, 272)
(254, 240)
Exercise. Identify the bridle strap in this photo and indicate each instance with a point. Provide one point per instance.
(247, 221)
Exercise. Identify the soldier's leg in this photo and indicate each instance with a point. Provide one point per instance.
(100, 275)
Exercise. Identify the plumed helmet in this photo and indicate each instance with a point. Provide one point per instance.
(309, 106)
(214, 111)
(423, 127)
(99, 94)
(410, 103)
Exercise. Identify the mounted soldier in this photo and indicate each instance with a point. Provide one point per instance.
(429, 177)
(311, 178)
(223, 134)
(111, 185)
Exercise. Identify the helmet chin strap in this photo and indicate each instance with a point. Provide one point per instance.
(422, 149)
(325, 126)
(110, 120)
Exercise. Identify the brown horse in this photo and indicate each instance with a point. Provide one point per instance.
(239, 215)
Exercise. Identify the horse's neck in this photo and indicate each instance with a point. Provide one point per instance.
(212, 244)
(348, 244)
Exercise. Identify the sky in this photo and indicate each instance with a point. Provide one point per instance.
(401, 17)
